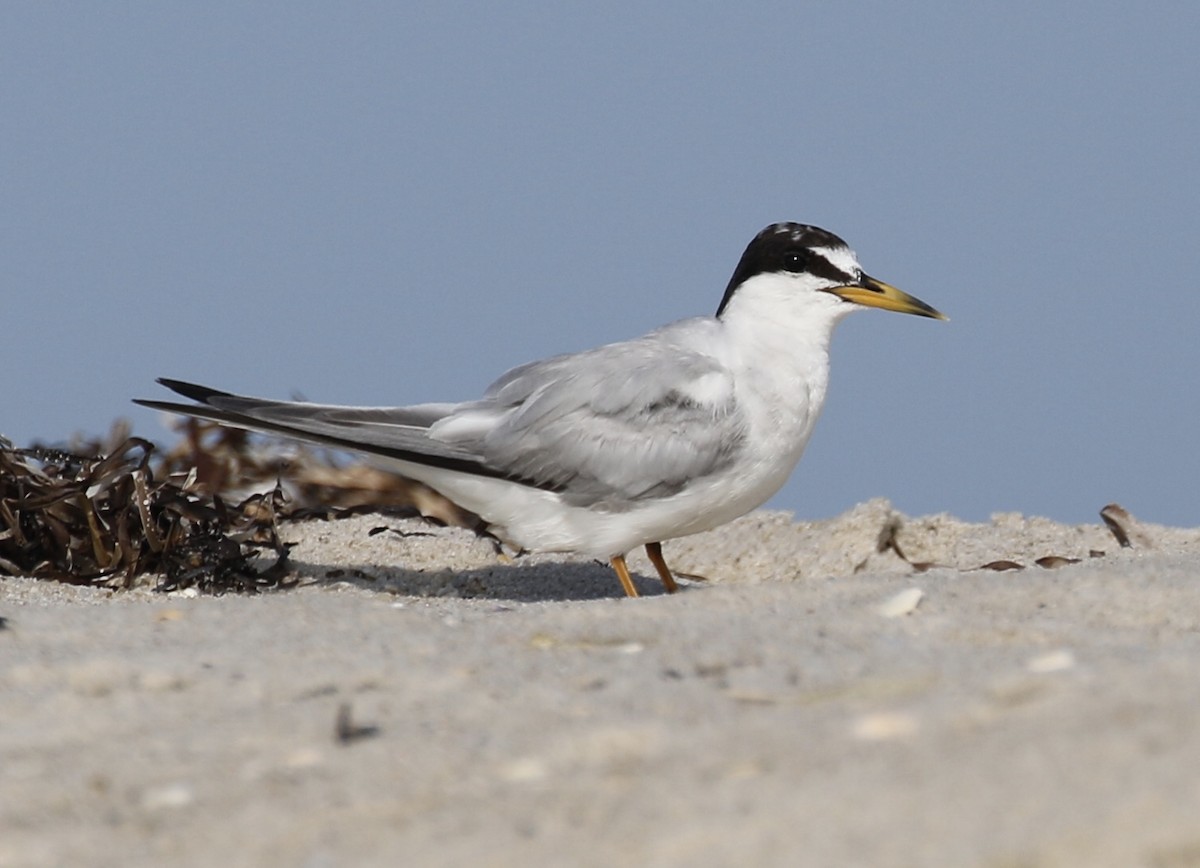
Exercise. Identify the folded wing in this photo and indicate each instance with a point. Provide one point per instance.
(618, 424)
(624, 422)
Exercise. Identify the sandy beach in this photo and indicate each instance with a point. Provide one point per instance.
(875, 689)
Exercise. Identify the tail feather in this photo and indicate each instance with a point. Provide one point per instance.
(379, 431)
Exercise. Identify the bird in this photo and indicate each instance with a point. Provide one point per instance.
(631, 443)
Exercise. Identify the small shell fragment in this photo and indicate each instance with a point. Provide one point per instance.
(1125, 527)
(1001, 566)
(1052, 661)
(903, 603)
(1053, 562)
(177, 795)
(525, 769)
(885, 726)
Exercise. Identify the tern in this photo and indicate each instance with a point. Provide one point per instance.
(631, 443)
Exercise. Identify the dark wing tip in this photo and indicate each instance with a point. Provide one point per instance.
(168, 406)
(194, 391)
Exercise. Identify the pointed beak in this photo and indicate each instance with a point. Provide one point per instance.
(875, 293)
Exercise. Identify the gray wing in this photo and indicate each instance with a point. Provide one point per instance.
(623, 422)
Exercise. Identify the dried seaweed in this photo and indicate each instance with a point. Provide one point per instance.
(108, 517)
(202, 514)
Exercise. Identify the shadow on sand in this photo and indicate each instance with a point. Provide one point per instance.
(517, 582)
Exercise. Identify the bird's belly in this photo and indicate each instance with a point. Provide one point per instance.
(608, 531)
(537, 520)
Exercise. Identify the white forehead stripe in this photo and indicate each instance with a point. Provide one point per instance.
(841, 258)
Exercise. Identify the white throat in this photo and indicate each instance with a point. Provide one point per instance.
(784, 321)
(778, 328)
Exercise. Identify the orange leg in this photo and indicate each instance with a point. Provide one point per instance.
(618, 564)
(654, 552)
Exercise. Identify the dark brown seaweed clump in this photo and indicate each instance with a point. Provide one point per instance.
(203, 514)
(106, 518)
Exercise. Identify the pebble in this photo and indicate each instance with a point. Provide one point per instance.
(903, 603)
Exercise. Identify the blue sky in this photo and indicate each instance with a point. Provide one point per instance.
(373, 204)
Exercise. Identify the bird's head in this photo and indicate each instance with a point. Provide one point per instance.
(806, 268)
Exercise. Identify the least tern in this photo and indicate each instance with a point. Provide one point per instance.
(631, 443)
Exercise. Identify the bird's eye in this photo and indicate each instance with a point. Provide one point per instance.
(795, 261)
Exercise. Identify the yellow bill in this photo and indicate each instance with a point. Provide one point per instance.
(875, 293)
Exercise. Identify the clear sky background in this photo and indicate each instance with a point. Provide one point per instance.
(386, 203)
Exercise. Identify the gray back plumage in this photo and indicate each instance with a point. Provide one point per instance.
(615, 424)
